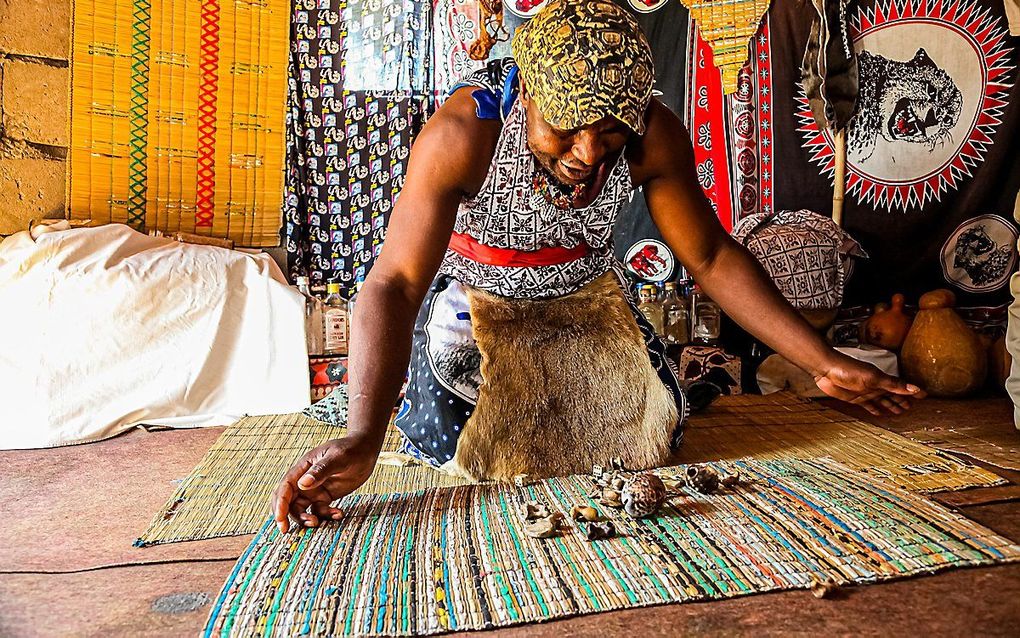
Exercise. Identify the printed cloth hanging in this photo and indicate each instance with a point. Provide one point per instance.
(931, 170)
(347, 150)
(455, 26)
(731, 134)
(930, 163)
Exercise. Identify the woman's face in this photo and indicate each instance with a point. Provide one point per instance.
(574, 156)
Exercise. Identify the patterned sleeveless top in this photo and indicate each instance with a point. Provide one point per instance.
(508, 214)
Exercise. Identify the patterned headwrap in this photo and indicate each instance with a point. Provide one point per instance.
(582, 60)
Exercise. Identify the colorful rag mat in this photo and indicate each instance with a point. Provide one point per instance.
(177, 116)
(458, 558)
(229, 492)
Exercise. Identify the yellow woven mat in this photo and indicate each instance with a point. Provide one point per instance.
(177, 116)
(727, 26)
(782, 426)
(229, 492)
(1000, 447)
(992, 438)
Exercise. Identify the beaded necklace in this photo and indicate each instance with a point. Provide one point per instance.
(559, 195)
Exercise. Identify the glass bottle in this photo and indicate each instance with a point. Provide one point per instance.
(676, 322)
(706, 317)
(335, 318)
(313, 317)
(651, 308)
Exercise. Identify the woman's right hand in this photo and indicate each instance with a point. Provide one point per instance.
(329, 472)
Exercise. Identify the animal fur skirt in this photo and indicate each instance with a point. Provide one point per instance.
(500, 387)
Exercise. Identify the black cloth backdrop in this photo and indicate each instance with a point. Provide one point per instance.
(906, 241)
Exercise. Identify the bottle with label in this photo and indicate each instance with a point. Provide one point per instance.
(706, 317)
(651, 308)
(675, 316)
(313, 317)
(336, 323)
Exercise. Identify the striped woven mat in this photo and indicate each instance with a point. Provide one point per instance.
(228, 493)
(457, 559)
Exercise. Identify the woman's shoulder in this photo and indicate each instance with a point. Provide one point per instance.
(460, 140)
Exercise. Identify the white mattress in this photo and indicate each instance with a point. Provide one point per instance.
(103, 329)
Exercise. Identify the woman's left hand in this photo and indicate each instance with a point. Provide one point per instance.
(865, 385)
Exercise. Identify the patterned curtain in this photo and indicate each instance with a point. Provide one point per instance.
(358, 92)
(364, 76)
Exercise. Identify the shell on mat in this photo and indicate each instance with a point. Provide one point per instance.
(643, 495)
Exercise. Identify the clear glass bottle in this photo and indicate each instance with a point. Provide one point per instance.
(651, 308)
(313, 318)
(336, 323)
(706, 317)
(676, 322)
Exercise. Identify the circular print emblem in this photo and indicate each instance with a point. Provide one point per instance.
(651, 260)
(981, 254)
(646, 6)
(934, 78)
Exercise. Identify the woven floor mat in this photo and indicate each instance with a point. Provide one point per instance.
(989, 435)
(998, 447)
(781, 425)
(458, 559)
(229, 492)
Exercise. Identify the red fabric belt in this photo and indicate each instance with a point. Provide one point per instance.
(469, 247)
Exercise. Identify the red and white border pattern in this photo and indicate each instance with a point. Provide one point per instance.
(986, 33)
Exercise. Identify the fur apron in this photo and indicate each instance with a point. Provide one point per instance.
(566, 384)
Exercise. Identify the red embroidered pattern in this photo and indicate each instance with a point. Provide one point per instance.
(207, 92)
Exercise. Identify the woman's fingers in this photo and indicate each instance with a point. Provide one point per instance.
(325, 511)
(887, 403)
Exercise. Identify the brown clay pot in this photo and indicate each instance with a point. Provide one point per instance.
(888, 326)
(941, 353)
